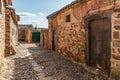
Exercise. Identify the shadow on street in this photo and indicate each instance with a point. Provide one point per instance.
(59, 67)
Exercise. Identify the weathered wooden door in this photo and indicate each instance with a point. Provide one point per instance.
(99, 43)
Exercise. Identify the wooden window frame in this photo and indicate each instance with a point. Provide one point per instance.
(68, 18)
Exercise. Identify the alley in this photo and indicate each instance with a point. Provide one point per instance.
(60, 40)
(34, 63)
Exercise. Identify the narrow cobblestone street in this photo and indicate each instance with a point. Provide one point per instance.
(34, 63)
(60, 40)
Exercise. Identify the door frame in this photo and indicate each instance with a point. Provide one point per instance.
(87, 20)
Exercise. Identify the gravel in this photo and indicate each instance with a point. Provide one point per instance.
(60, 68)
(52, 65)
(18, 67)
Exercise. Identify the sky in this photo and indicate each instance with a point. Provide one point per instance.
(35, 11)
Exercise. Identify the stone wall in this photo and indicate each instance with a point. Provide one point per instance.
(115, 55)
(2, 31)
(13, 32)
(28, 35)
(21, 34)
(22, 29)
(7, 32)
(70, 37)
(44, 38)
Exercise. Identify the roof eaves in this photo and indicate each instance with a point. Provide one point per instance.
(55, 13)
(27, 25)
(13, 14)
(9, 7)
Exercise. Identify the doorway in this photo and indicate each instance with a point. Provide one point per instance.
(35, 36)
(99, 46)
(53, 39)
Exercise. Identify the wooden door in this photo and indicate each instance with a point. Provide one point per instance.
(35, 36)
(99, 43)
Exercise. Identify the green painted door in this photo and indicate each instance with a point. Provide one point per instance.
(35, 36)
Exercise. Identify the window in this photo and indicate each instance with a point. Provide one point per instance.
(67, 18)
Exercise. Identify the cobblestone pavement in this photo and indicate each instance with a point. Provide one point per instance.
(34, 63)
(59, 68)
(18, 67)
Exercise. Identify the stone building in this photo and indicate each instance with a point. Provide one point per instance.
(88, 31)
(11, 23)
(22, 28)
(8, 21)
(32, 35)
(27, 33)
(2, 29)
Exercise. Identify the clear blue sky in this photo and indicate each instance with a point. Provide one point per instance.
(35, 11)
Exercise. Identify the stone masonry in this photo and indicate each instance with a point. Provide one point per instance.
(22, 30)
(14, 28)
(70, 38)
(28, 35)
(7, 32)
(115, 55)
(11, 30)
(44, 38)
(2, 31)
(5, 14)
